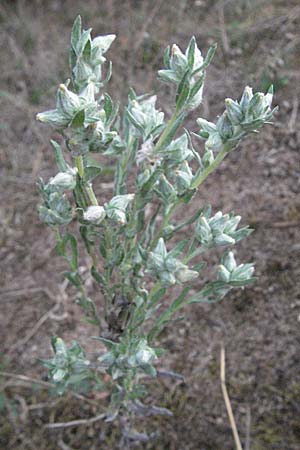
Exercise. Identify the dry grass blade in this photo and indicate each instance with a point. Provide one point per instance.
(75, 423)
(227, 402)
(25, 379)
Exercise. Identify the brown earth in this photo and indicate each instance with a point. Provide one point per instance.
(259, 44)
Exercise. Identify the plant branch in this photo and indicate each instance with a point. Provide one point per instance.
(79, 165)
(166, 131)
(164, 223)
(204, 174)
(88, 186)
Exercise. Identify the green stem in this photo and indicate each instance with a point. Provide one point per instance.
(166, 131)
(171, 208)
(204, 174)
(190, 251)
(123, 168)
(195, 253)
(164, 223)
(79, 165)
(88, 186)
(90, 193)
(57, 233)
(80, 286)
(89, 190)
(154, 290)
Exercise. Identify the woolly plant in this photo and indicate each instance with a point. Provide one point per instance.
(144, 272)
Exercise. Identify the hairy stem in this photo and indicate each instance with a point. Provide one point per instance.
(163, 225)
(166, 131)
(88, 186)
(204, 174)
(91, 194)
(79, 165)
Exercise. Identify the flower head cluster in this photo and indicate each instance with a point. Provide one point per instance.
(64, 180)
(126, 356)
(56, 209)
(94, 214)
(85, 119)
(144, 117)
(72, 109)
(239, 118)
(186, 71)
(178, 62)
(167, 268)
(220, 229)
(69, 365)
(234, 275)
(115, 210)
(86, 55)
(176, 152)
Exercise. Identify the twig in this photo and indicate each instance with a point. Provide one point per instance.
(283, 224)
(27, 379)
(62, 445)
(44, 405)
(17, 293)
(227, 402)
(16, 384)
(24, 407)
(265, 24)
(170, 374)
(75, 423)
(45, 384)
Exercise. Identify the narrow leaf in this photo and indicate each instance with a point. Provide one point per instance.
(178, 249)
(183, 91)
(78, 119)
(167, 56)
(69, 238)
(108, 105)
(76, 33)
(191, 52)
(60, 161)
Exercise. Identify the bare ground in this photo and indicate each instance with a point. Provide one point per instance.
(259, 327)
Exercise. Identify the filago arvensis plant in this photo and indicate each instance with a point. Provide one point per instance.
(135, 258)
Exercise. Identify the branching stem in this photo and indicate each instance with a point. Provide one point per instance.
(91, 194)
(79, 165)
(88, 186)
(204, 174)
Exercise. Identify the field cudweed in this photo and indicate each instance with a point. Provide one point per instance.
(135, 257)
